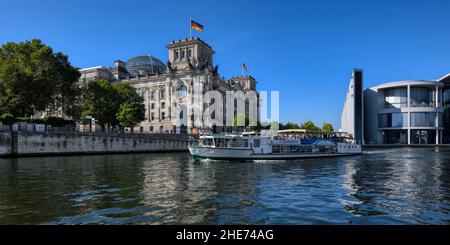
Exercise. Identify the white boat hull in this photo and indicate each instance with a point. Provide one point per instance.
(248, 154)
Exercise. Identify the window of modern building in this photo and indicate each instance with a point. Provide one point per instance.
(422, 97)
(423, 136)
(423, 119)
(395, 136)
(393, 120)
(395, 98)
(182, 91)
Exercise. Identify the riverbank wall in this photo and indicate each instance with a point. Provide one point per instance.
(17, 144)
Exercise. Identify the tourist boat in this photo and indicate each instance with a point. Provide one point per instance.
(280, 147)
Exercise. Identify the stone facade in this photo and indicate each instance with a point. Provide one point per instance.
(164, 87)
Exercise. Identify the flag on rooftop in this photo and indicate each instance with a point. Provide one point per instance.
(244, 67)
(196, 26)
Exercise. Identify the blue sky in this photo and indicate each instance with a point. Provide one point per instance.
(304, 49)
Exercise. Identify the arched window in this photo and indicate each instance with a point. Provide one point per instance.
(190, 53)
(182, 91)
(183, 54)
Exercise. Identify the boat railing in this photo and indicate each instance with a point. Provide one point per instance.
(303, 149)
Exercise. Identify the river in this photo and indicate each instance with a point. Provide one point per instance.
(383, 186)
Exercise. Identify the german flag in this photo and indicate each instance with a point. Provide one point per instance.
(244, 67)
(196, 26)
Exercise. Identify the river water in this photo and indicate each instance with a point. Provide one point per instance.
(383, 186)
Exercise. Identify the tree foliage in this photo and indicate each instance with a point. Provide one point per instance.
(33, 78)
(240, 119)
(113, 105)
(7, 119)
(290, 125)
(327, 127)
(309, 125)
(99, 101)
(128, 116)
(131, 106)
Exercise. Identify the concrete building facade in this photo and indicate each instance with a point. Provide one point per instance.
(403, 112)
(352, 114)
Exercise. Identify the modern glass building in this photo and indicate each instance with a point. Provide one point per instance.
(406, 112)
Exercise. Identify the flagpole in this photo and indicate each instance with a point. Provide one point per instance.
(190, 28)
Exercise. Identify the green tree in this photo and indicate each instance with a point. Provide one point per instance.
(129, 116)
(239, 119)
(309, 125)
(68, 93)
(131, 108)
(7, 119)
(327, 127)
(101, 102)
(291, 125)
(113, 105)
(34, 78)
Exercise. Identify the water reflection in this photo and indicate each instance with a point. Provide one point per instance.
(392, 186)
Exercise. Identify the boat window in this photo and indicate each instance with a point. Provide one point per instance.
(257, 143)
(206, 142)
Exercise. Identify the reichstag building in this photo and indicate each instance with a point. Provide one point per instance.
(190, 64)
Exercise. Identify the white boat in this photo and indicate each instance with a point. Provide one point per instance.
(257, 147)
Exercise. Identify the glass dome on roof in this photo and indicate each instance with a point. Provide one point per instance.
(144, 65)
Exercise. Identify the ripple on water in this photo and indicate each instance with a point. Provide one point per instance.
(387, 186)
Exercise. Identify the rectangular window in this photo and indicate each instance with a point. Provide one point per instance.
(163, 105)
(163, 115)
(395, 98)
(423, 119)
(153, 106)
(395, 137)
(393, 120)
(422, 97)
